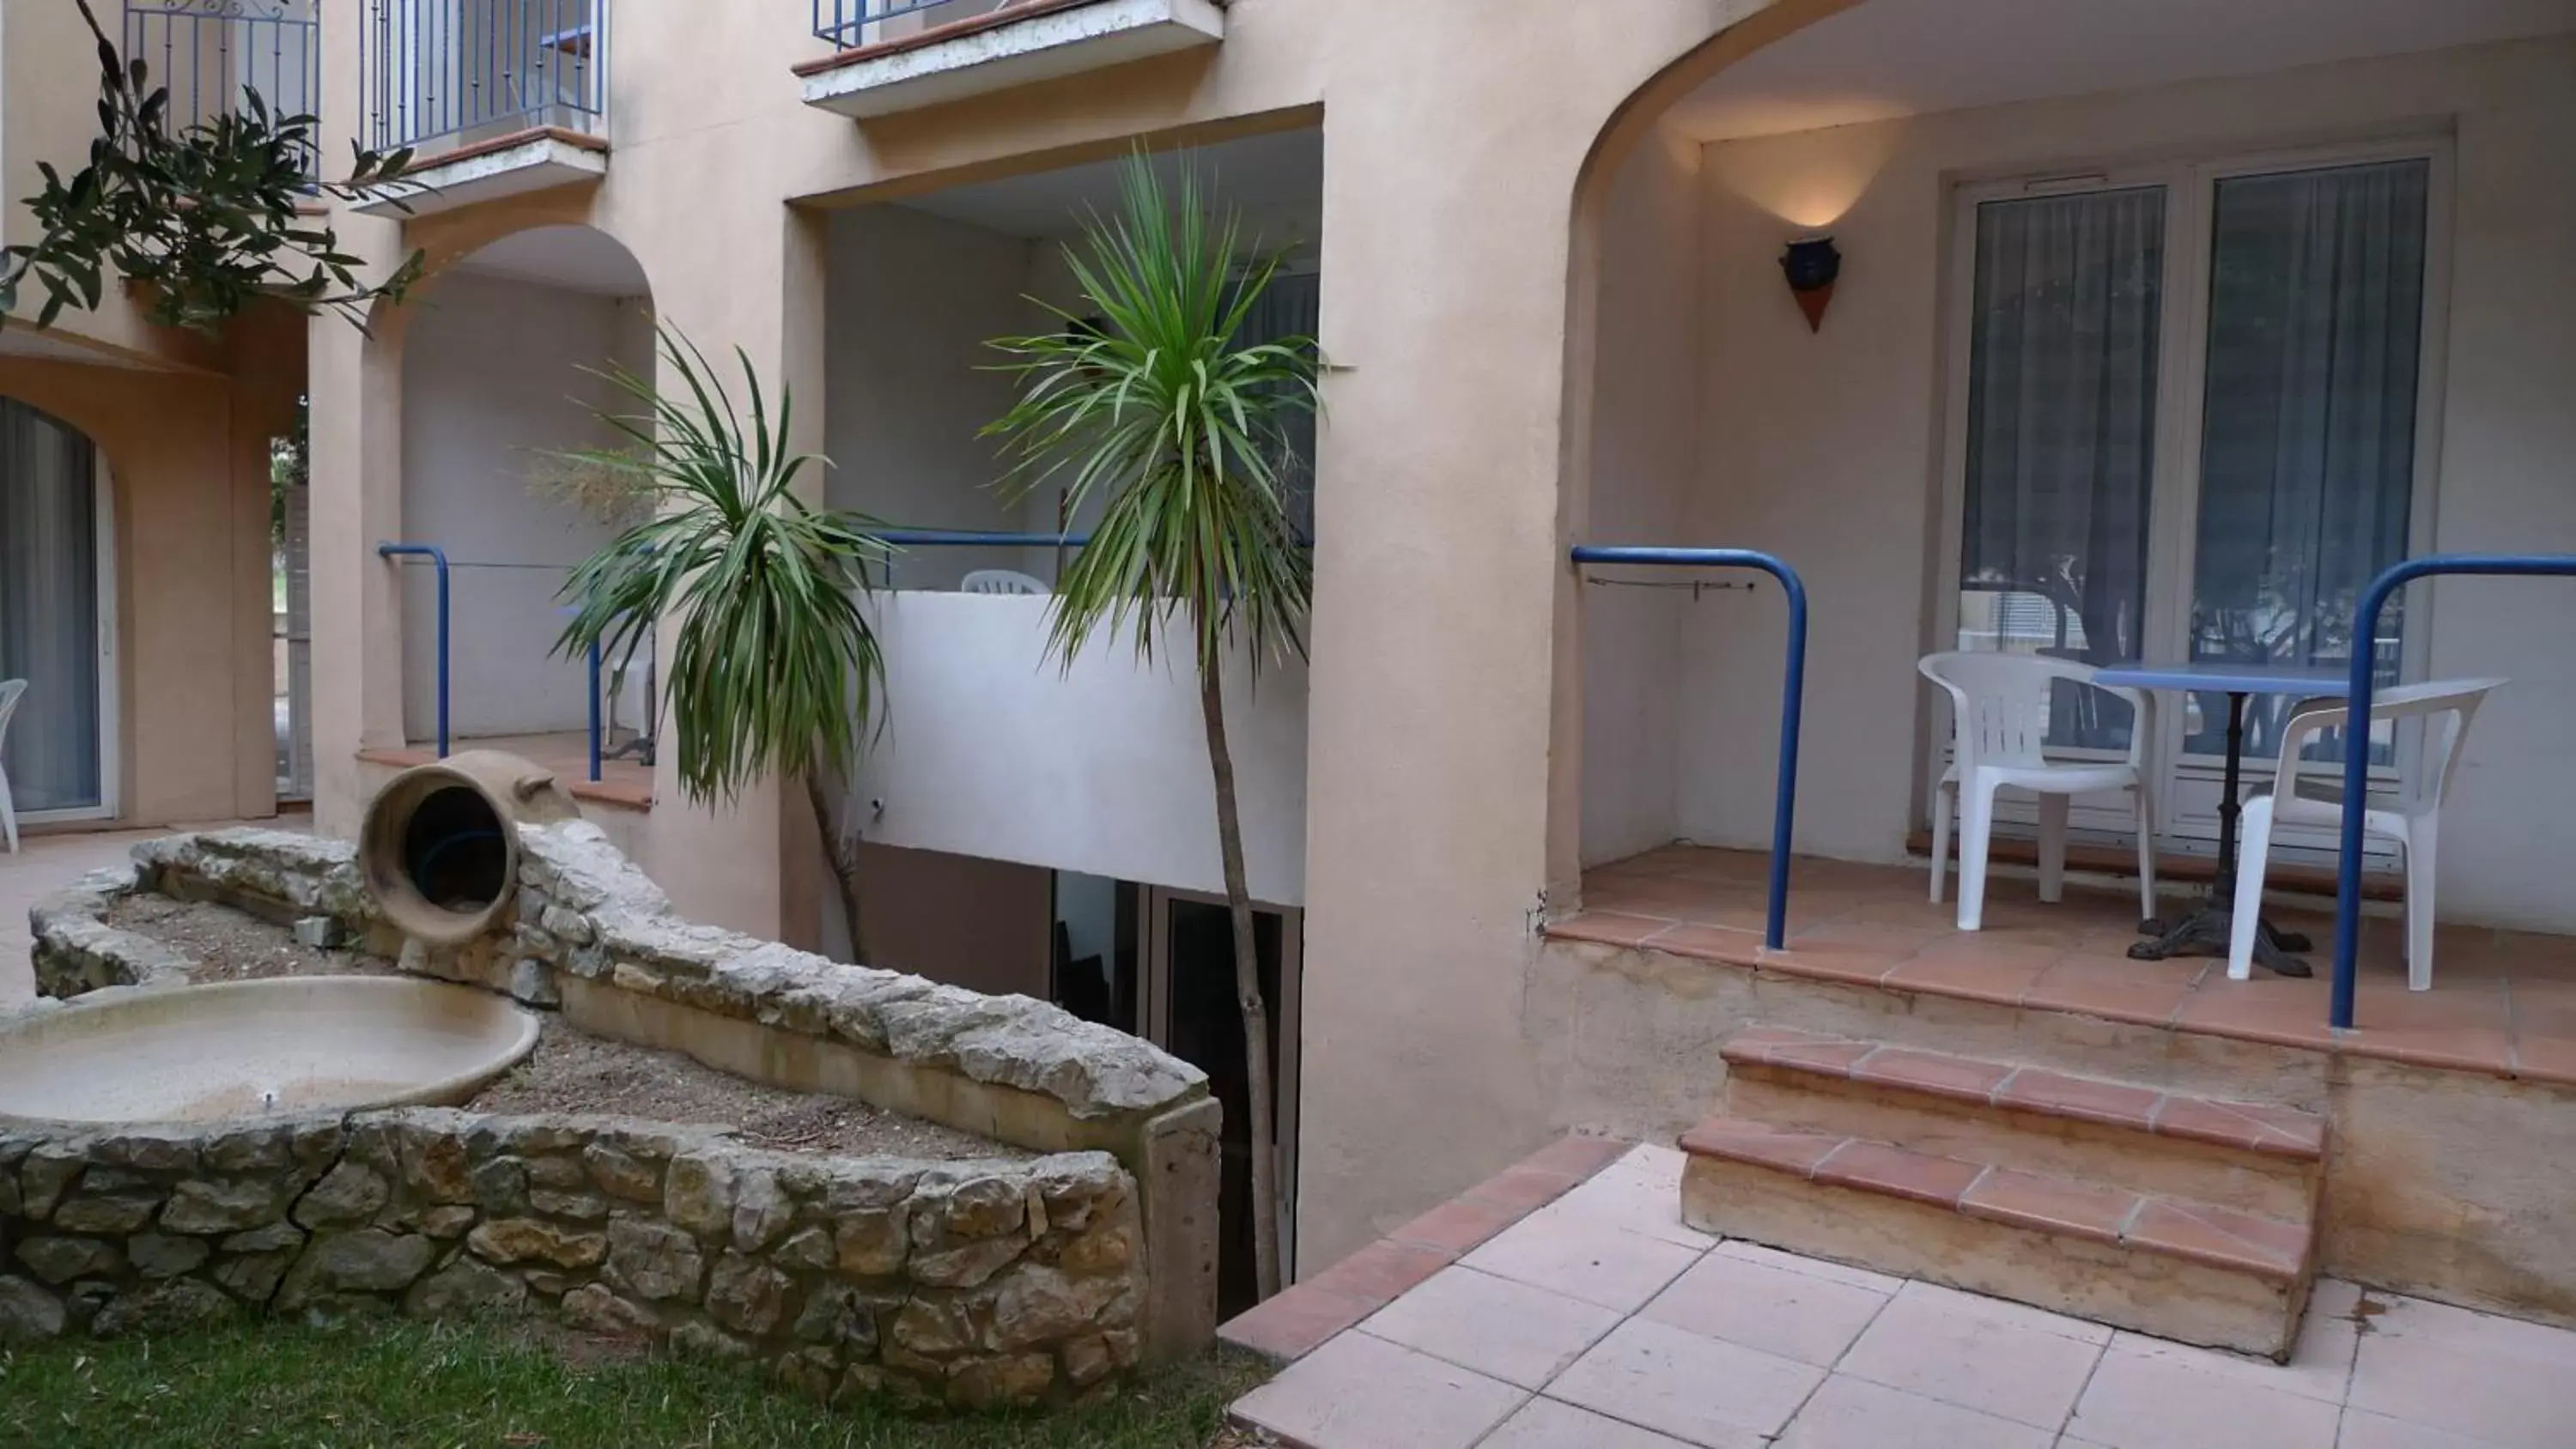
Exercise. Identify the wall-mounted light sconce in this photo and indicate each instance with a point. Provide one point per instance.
(1811, 265)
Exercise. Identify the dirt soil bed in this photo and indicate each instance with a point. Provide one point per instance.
(571, 1071)
(229, 945)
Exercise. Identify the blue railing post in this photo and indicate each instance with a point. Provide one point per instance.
(594, 711)
(437, 556)
(2356, 763)
(1784, 805)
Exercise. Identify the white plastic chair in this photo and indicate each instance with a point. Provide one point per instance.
(10, 690)
(1002, 581)
(2000, 709)
(2409, 814)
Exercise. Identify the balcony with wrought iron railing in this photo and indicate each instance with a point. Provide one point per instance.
(210, 53)
(496, 97)
(902, 55)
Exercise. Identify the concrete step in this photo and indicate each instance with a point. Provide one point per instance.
(2174, 1267)
(2249, 1157)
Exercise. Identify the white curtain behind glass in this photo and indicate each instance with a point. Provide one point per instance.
(49, 609)
(2308, 427)
(2061, 437)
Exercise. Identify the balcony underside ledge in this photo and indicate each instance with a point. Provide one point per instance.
(1036, 41)
(521, 162)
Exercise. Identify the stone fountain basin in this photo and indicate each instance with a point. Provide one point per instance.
(257, 1048)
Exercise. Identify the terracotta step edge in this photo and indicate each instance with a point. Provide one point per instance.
(2141, 1222)
(2284, 1132)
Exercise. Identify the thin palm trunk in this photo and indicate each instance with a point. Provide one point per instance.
(1247, 988)
(839, 855)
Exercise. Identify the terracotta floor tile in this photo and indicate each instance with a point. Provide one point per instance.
(1949, 1076)
(2545, 1058)
(2252, 1126)
(1296, 1322)
(1917, 1176)
(1738, 1140)
(2221, 1238)
(1974, 978)
(2468, 1049)
(2050, 1204)
(1456, 1226)
(2285, 1013)
(2115, 1104)
(1832, 1055)
(1741, 908)
(1711, 943)
(1894, 936)
(1578, 1155)
(1521, 1189)
(1830, 963)
(2113, 993)
(1992, 945)
(1611, 928)
(1377, 1273)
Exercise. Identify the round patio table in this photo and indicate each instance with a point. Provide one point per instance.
(2204, 928)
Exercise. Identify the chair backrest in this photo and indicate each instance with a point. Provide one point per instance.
(2445, 706)
(2000, 703)
(1002, 581)
(10, 690)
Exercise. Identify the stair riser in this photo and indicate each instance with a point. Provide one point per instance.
(2151, 1293)
(2125, 1157)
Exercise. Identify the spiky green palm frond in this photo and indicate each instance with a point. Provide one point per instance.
(775, 665)
(1151, 407)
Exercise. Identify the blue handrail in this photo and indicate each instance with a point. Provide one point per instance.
(1784, 808)
(438, 556)
(2356, 765)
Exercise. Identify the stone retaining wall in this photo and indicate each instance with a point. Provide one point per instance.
(971, 1282)
(591, 936)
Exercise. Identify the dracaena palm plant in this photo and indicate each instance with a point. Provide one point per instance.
(1148, 409)
(775, 668)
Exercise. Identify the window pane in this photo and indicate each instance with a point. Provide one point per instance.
(2061, 438)
(2308, 429)
(49, 618)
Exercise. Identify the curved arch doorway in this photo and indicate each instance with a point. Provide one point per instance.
(57, 617)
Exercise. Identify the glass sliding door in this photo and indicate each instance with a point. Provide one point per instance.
(2307, 449)
(2188, 403)
(2064, 334)
(53, 623)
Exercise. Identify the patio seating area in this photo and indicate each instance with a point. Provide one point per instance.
(2504, 1002)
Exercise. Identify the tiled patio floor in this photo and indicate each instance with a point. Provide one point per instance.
(1599, 1322)
(2502, 1001)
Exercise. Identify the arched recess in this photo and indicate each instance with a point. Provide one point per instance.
(1630, 447)
(502, 357)
(58, 591)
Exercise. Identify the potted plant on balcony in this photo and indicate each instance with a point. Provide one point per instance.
(1151, 411)
(775, 667)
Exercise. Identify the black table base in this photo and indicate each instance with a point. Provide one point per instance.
(2204, 931)
(2205, 928)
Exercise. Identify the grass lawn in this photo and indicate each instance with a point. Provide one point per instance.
(412, 1387)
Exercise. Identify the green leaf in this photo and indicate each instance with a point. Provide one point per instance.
(775, 666)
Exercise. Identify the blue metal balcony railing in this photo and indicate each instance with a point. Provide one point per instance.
(209, 52)
(853, 23)
(1793, 696)
(439, 74)
(2356, 779)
